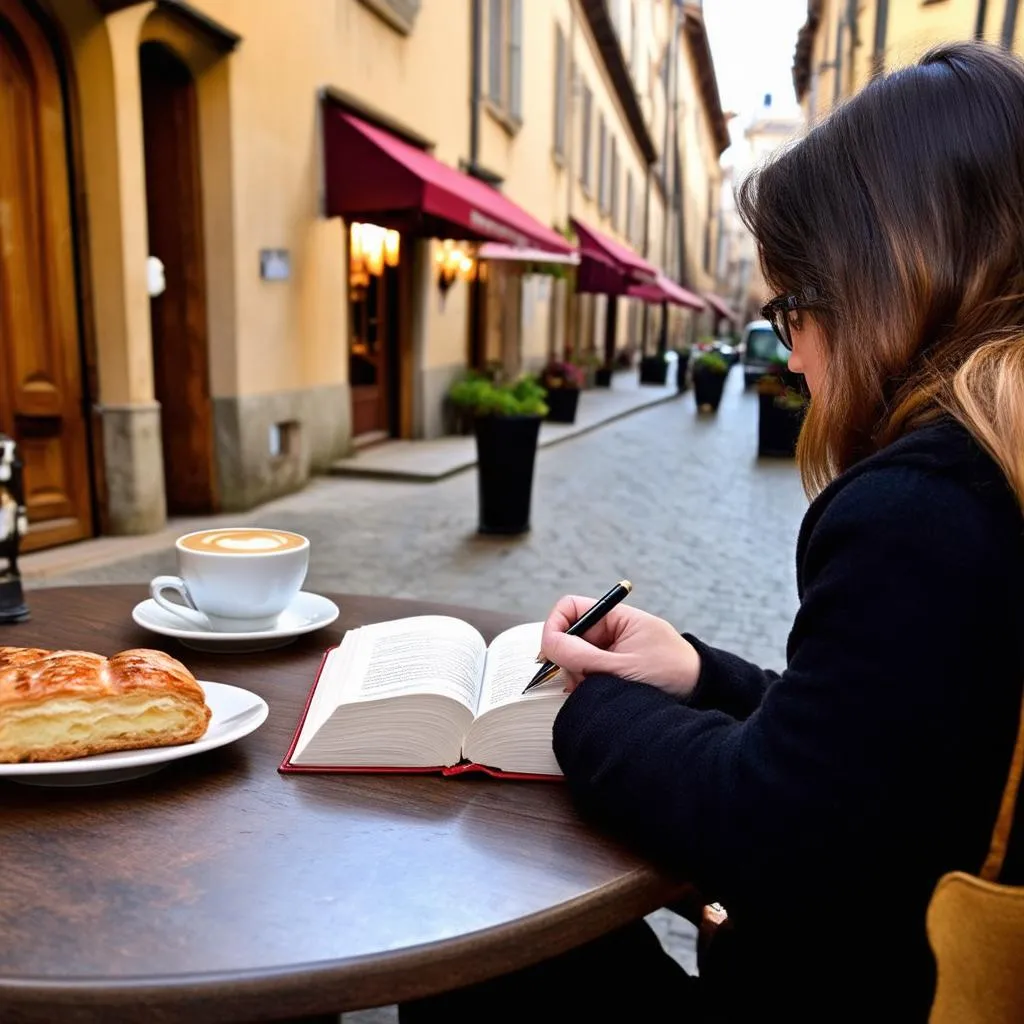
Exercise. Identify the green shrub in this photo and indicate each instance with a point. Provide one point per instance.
(480, 396)
(710, 362)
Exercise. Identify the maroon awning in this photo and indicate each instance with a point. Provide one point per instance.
(606, 266)
(721, 307)
(664, 289)
(373, 175)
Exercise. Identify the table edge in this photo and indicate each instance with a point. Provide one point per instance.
(356, 983)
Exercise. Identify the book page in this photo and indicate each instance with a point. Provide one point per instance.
(512, 730)
(424, 654)
(511, 664)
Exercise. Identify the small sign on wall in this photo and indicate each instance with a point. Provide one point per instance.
(275, 264)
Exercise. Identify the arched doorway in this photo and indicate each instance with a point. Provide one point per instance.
(41, 398)
(181, 377)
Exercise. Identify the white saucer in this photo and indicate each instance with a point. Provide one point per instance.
(308, 612)
(235, 713)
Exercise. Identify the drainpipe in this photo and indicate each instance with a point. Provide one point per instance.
(837, 65)
(571, 304)
(881, 29)
(1009, 24)
(474, 80)
(852, 23)
(979, 21)
(671, 169)
(476, 286)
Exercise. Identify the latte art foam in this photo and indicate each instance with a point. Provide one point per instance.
(242, 541)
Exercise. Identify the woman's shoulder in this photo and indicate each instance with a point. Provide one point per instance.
(935, 483)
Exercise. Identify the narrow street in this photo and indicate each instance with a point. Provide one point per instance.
(675, 502)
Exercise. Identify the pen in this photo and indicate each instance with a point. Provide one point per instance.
(586, 621)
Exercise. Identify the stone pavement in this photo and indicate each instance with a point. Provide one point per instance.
(676, 502)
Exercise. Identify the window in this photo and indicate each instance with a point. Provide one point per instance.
(630, 212)
(613, 202)
(515, 59)
(505, 56)
(496, 25)
(602, 164)
(560, 91)
(585, 112)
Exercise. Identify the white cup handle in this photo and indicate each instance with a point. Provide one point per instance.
(187, 610)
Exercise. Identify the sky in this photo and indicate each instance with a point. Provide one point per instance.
(752, 43)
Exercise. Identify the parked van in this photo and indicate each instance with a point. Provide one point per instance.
(760, 347)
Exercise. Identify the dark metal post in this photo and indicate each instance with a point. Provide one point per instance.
(979, 21)
(13, 524)
(881, 30)
(1009, 24)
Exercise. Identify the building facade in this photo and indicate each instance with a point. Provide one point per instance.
(195, 316)
(843, 44)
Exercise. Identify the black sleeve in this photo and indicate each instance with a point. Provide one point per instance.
(728, 683)
(893, 705)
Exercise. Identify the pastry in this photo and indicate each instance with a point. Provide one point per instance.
(59, 705)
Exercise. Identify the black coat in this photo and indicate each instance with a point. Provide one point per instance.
(820, 806)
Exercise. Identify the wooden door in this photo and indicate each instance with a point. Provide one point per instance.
(373, 355)
(41, 400)
(181, 377)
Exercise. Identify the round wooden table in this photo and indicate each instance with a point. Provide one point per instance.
(219, 890)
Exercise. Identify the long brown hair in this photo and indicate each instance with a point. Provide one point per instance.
(903, 214)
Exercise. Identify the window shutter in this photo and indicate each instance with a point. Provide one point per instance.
(495, 49)
(515, 59)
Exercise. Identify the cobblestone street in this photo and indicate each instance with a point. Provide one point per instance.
(676, 502)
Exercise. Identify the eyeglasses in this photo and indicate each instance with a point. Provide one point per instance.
(777, 313)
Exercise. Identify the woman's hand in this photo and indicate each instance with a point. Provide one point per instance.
(627, 643)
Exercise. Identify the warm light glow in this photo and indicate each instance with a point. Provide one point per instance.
(454, 260)
(372, 248)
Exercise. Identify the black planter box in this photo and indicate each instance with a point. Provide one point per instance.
(707, 388)
(562, 404)
(653, 370)
(778, 427)
(506, 448)
(602, 378)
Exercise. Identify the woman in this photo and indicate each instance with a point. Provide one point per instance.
(820, 806)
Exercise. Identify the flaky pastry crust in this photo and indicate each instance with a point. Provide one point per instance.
(58, 705)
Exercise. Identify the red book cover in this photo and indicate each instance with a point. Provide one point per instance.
(449, 771)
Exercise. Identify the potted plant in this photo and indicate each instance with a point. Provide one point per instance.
(709, 373)
(563, 382)
(654, 369)
(506, 421)
(781, 407)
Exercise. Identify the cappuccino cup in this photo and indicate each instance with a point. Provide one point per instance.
(235, 579)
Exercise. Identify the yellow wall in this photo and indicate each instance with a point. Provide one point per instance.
(288, 53)
(912, 28)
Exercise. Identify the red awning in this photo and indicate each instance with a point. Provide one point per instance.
(607, 266)
(721, 307)
(371, 174)
(664, 289)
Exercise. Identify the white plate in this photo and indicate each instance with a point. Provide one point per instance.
(235, 713)
(308, 612)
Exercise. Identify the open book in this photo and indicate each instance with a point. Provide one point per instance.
(427, 694)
